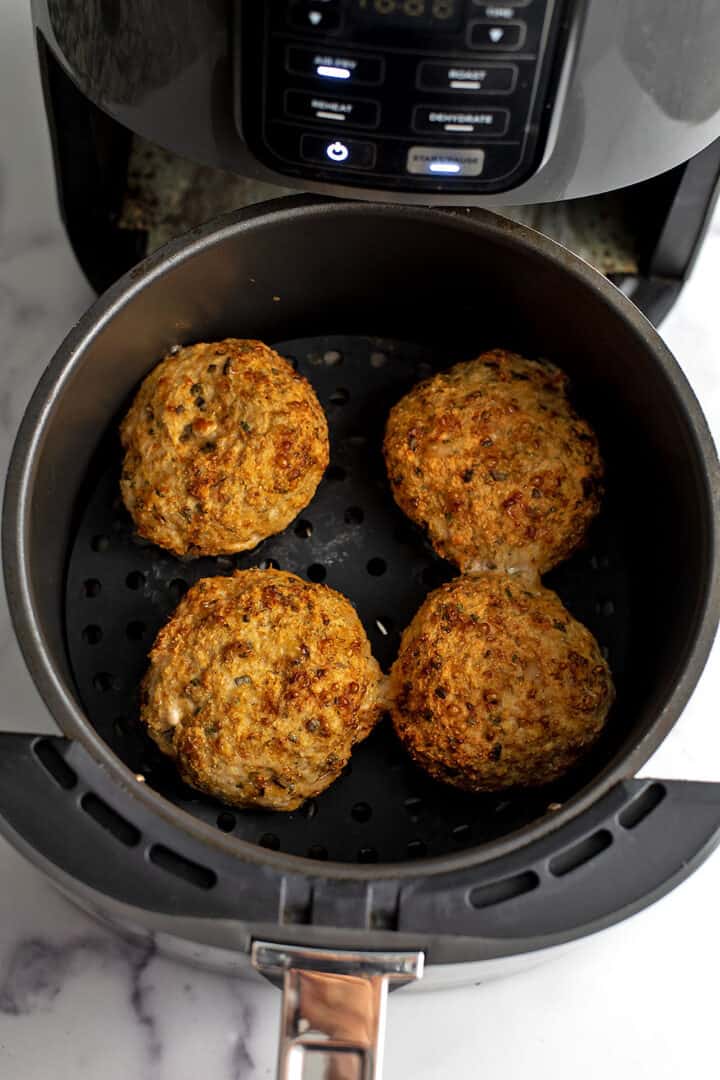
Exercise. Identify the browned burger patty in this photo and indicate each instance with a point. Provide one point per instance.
(491, 458)
(497, 685)
(224, 445)
(259, 686)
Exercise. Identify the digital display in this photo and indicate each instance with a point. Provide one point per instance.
(431, 14)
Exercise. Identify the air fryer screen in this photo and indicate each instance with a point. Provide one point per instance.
(120, 591)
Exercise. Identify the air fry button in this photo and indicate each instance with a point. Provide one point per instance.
(345, 153)
(445, 161)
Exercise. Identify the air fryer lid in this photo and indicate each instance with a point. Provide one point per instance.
(430, 287)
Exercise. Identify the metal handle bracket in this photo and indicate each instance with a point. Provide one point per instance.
(333, 1010)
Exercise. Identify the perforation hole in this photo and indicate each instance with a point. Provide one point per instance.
(316, 572)
(354, 515)
(54, 763)
(332, 358)
(100, 543)
(177, 589)
(317, 851)
(104, 682)
(92, 588)
(335, 473)
(582, 852)
(404, 534)
(173, 863)
(269, 840)
(135, 580)
(498, 892)
(367, 855)
(226, 822)
(339, 396)
(376, 567)
(92, 635)
(416, 849)
(378, 359)
(356, 439)
(135, 630)
(304, 529)
(110, 820)
(434, 575)
(361, 811)
(642, 805)
(269, 564)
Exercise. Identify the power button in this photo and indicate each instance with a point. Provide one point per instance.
(346, 153)
(337, 151)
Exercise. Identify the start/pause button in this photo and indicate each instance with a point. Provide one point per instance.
(445, 162)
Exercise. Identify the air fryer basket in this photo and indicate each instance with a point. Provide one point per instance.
(352, 536)
(367, 299)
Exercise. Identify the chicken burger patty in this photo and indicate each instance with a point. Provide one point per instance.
(496, 685)
(491, 458)
(259, 686)
(224, 445)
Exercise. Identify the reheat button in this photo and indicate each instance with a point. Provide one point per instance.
(353, 112)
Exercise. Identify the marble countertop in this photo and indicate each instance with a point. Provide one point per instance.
(76, 1003)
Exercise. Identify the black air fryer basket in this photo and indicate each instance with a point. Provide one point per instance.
(364, 300)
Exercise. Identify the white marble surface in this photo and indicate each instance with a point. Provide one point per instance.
(78, 1004)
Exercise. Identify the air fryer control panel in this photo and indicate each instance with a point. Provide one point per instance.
(407, 95)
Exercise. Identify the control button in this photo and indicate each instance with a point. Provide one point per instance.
(461, 121)
(337, 151)
(505, 10)
(335, 68)
(346, 153)
(357, 112)
(497, 36)
(444, 161)
(451, 75)
(322, 15)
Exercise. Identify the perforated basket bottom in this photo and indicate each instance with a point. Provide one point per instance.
(121, 590)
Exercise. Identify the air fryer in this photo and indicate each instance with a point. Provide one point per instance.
(596, 123)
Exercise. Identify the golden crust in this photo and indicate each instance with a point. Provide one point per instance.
(496, 685)
(259, 686)
(224, 445)
(493, 460)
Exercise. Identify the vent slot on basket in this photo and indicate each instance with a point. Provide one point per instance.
(54, 763)
(199, 876)
(576, 856)
(110, 820)
(497, 892)
(642, 805)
